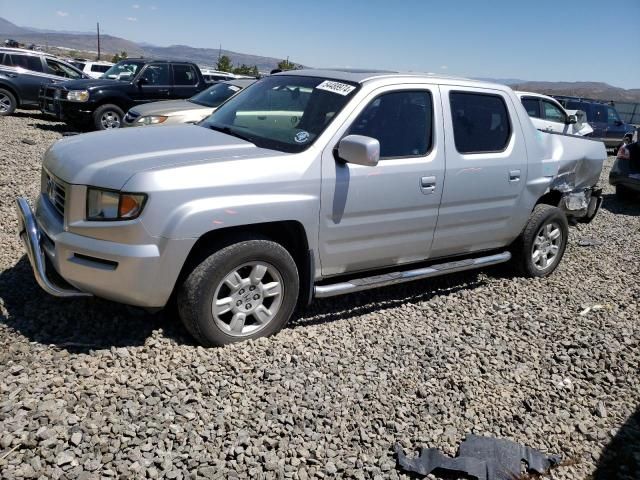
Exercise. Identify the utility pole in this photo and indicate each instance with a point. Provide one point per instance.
(98, 26)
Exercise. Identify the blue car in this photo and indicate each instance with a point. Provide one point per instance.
(603, 118)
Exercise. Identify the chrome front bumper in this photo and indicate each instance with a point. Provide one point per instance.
(30, 235)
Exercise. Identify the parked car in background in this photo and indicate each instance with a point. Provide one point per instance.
(625, 172)
(210, 75)
(22, 72)
(193, 110)
(547, 114)
(93, 69)
(310, 183)
(100, 104)
(603, 118)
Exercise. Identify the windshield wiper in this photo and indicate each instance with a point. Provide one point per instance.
(233, 133)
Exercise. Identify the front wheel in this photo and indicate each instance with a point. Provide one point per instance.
(246, 290)
(108, 117)
(540, 247)
(8, 102)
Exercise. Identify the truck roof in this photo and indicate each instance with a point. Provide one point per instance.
(362, 76)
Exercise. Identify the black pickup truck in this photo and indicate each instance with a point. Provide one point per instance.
(100, 104)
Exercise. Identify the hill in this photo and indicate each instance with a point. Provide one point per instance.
(86, 42)
(209, 56)
(595, 90)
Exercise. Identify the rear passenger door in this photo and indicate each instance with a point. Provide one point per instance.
(384, 215)
(185, 81)
(486, 172)
(28, 72)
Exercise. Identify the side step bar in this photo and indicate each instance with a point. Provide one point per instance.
(358, 284)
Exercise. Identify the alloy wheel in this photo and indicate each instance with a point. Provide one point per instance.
(247, 299)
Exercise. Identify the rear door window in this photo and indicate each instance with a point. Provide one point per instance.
(612, 116)
(532, 106)
(401, 121)
(157, 74)
(552, 112)
(480, 122)
(184, 75)
(99, 68)
(28, 62)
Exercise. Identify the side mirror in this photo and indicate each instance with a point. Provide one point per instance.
(618, 122)
(142, 81)
(571, 119)
(359, 150)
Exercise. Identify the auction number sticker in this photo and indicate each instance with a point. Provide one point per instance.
(336, 87)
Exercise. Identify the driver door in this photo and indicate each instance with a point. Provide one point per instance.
(153, 83)
(385, 215)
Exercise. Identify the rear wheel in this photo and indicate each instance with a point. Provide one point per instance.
(108, 117)
(541, 245)
(246, 290)
(8, 102)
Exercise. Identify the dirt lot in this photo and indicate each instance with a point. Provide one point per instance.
(91, 389)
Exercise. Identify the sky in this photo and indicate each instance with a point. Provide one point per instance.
(554, 40)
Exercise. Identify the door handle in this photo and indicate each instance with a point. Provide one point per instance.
(427, 185)
(163, 91)
(514, 175)
(262, 117)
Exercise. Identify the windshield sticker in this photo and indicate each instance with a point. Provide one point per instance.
(234, 88)
(301, 137)
(343, 89)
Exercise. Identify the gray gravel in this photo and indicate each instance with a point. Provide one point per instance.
(91, 389)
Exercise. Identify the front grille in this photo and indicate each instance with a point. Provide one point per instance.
(56, 192)
(53, 93)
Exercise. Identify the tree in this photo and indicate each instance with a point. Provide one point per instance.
(224, 64)
(287, 65)
(119, 56)
(246, 70)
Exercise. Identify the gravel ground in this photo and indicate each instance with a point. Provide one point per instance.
(91, 389)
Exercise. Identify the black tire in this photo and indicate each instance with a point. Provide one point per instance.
(196, 294)
(622, 192)
(106, 110)
(523, 248)
(9, 102)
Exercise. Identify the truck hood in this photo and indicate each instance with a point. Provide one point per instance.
(108, 159)
(168, 107)
(87, 83)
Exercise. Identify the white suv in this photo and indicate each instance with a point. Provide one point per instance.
(93, 69)
(548, 115)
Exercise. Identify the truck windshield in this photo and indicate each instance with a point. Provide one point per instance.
(283, 112)
(124, 70)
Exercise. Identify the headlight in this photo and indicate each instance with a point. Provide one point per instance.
(152, 119)
(110, 205)
(78, 95)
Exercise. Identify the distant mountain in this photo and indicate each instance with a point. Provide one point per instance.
(109, 44)
(209, 56)
(503, 81)
(8, 28)
(595, 90)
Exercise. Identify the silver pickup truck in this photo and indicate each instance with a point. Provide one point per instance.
(307, 184)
